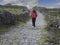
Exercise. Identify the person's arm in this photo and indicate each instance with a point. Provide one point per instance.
(30, 14)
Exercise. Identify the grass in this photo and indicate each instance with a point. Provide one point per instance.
(57, 35)
(4, 29)
(54, 13)
(43, 38)
(13, 10)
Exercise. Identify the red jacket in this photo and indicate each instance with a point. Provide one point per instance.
(33, 15)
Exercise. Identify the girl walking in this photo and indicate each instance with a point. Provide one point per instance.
(33, 14)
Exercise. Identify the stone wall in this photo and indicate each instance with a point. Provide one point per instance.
(53, 29)
(9, 18)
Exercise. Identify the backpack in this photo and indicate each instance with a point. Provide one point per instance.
(33, 15)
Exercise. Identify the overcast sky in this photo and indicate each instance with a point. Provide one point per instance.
(31, 3)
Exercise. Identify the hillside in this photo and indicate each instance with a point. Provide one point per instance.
(13, 8)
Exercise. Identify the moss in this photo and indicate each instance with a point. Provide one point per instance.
(57, 35)
(3, 29)
(49, 40)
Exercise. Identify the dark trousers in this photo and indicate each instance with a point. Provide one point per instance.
(33, 21)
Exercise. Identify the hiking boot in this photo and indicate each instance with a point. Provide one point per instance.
(32, 26)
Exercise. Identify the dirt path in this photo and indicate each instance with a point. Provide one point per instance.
(24, 35)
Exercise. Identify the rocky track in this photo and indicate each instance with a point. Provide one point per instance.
(24, 35)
